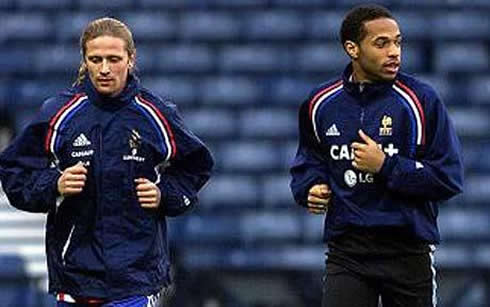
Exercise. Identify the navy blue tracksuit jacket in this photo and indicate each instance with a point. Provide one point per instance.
(423, 164)
(101, 243)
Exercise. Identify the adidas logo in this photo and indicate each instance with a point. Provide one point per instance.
(332, 131)
(81, 141)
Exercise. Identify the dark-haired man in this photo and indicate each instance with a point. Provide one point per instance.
(378, 151)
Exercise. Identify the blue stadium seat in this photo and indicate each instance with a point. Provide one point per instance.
(479, 90)
(301, 3)
(238, 3)
(182, 89)
(229, 192)
(145, 59)
(58, 59)
(326, 25)
(45, 4)
(268, 122)
(274, 25)
(211, 123)
(249, 156)
(208, 26)
(33, 93)
(454, 255)
(350, 3)
(471, 122)
(185, 58)
(476, 190)
(461, 25)
(229, 91)
(464, 224)
(473, 153)
(413, 25)
(25, 26)
(15, 288)
(276, 192)
(413, 59)
(16, 61)
(209, 229)
(482, 256)
(5, 94)
(313, 227)
(106, 5)
(444, 88)
(150, 26)
(461, 57)
(69, 26)
(178, 4)
(7, 4)
(258, 58)
(288, 152)
(426, 3)
(291, 257)
(290, 91)
(269, 226)
(329, 57)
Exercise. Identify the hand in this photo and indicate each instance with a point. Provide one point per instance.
(72, 180)
(148, 193)
(368, 157)
(319, 198)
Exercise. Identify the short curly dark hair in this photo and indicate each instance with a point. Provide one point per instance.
(353, 24)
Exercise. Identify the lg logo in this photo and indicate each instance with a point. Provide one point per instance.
(352, 178)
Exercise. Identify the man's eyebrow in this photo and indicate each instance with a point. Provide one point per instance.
(384, 37)
(381, 38)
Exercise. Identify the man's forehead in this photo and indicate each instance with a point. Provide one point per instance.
(382, 27)
(106, 44)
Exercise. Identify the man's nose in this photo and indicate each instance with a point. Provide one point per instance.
(394, 51)
(105, 69)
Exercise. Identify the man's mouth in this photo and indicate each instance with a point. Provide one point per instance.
(392, 66)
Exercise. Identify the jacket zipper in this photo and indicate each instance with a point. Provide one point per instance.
(67, 244)
(362, 94)
(99, 180)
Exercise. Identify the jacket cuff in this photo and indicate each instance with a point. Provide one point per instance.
(388, 166)
(172, 201)
(51, 193)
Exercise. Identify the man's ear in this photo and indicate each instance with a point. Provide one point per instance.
(131, 62)
(352, 49)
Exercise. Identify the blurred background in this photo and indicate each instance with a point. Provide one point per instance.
(238, 70)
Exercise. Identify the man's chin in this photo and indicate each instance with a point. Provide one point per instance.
(105, 91)
(388, 77)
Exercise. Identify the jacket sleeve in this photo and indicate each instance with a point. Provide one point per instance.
(186, 173)
(308, 167)
(28, 177)
(438, 173)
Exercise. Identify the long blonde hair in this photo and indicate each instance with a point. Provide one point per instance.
(100, 27)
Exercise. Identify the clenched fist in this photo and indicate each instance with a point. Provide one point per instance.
(72, 180)
(319, 198)
(148, 193)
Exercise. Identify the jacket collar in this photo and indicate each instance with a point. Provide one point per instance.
(112, 103)
(365, 90)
